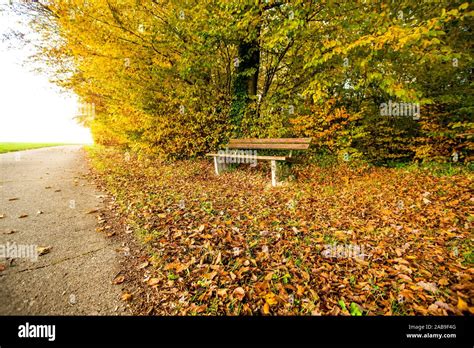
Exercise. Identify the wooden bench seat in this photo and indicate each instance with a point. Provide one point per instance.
(243, 145)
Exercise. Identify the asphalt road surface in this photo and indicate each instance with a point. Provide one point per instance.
(47, 205)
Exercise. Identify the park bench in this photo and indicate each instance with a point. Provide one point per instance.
(240, 152)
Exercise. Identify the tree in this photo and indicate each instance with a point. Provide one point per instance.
(177, 78)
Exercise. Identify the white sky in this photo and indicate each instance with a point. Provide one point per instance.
(31, 108)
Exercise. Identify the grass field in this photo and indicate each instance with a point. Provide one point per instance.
(9, 147)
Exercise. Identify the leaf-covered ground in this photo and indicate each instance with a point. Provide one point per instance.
(337, 240)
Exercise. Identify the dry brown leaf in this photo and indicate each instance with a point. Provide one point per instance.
(143, 265)
(431, 287)
(119, 280)
(43, 250)
(443, 305)
(153, 281)
(239, 293)
(405, 278)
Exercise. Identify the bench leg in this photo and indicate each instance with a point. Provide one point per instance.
(216, 166)
(274, 173)
(219, 166)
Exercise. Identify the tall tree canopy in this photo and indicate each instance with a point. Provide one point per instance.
(177, 77)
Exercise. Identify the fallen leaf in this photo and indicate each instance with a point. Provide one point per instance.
(239, 293)
(153, 281)
(92, 211)
(43, 250)
(462, 305)
(443, 281)
(442, 305)
(13, 199)
(222, 292)
(39, 212)
(271, 299)
(433, 308)
(405, 278)
(143, 265)
(300, 290)
(119, 280)
(2, 216)
(266, 308)
(23, 216)
(2, 267)
(431, 287)
(210, 276)
(126, 297)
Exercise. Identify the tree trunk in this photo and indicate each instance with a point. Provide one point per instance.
(246, 81)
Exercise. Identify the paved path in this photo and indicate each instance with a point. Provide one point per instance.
(75, 277)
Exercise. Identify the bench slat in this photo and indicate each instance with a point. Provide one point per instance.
(271, 141)
(268, 146)
(267, 158)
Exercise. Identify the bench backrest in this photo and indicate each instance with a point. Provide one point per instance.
(271, 144)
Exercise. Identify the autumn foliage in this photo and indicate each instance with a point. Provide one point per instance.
(404, 238)
(178, 78)
(171, 80)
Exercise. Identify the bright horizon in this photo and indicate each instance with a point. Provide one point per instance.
(32, 109)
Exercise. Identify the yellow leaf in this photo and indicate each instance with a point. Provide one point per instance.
(126, 297)
(266, 308)
(462, 305)
(443, 281)
(271, 299)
